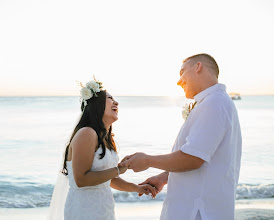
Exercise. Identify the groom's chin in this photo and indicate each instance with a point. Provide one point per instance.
(187, 96)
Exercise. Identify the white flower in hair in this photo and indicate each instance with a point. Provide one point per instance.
(86, 93)
(94, 86)
(91, 89)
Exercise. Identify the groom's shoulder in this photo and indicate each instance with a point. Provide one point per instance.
(219, 97)
(219, 100)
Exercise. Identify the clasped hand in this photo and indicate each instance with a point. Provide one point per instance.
(139, 162)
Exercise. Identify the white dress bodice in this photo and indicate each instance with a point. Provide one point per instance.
(91, 202)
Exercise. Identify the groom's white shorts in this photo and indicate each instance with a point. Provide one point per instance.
(198, 216)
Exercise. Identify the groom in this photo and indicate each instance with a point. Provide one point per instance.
(202, 171)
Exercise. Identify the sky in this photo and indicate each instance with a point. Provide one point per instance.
(133, 47)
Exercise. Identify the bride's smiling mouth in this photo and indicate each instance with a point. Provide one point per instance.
(115, 109)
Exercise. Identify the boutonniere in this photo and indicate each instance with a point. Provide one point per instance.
(187, 109)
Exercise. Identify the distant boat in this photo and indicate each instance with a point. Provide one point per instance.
(235, 96)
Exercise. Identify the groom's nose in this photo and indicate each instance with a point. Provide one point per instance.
(179, 83)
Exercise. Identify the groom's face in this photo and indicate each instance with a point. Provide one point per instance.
(187, 80)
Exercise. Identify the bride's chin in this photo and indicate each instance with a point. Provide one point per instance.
(115, 116)
(113, 119)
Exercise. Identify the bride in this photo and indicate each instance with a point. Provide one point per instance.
(90, 162)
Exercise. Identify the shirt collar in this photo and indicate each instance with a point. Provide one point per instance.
(200, 96)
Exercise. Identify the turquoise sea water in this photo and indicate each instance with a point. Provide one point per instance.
(34, 132)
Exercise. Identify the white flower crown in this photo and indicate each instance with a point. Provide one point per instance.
(91, 89)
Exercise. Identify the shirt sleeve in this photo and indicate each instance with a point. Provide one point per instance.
(206, 132)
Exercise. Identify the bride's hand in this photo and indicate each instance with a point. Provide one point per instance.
(122, 169)
(147, 189)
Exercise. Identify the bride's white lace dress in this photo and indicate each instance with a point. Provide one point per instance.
(91, 202)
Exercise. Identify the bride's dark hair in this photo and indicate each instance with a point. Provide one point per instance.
(92, 116)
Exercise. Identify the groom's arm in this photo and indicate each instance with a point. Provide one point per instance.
(173, 162)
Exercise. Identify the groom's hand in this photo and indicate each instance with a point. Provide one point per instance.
(157, 181)
(147, 189)
(137, 162)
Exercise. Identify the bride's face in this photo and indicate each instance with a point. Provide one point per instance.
(111, 110)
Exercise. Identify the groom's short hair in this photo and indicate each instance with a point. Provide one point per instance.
(207, 60)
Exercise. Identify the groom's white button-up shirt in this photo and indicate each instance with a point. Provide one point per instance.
(211, 132)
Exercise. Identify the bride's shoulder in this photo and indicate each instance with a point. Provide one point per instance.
(85, 135)
(87, 131)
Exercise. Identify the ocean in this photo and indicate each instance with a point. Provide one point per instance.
(34, 132)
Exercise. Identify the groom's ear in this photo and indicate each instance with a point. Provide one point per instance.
(198, 67)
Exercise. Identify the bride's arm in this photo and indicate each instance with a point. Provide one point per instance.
(122, 185)
(83, 149)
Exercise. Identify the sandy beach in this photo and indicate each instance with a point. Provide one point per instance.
(261, 209)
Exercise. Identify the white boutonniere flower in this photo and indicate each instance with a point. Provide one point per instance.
(187, 109)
